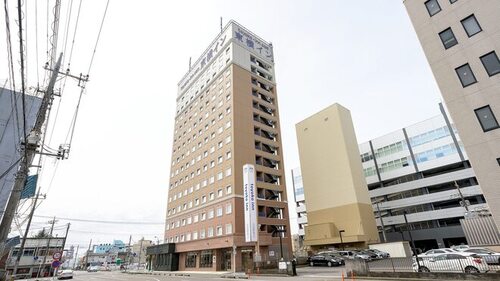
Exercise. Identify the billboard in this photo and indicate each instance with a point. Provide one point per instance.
(250, 203)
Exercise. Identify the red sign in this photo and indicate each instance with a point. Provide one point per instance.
(56, 255)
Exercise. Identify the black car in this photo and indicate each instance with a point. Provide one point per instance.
(324, 260)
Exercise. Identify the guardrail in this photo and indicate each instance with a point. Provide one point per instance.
(452, 263)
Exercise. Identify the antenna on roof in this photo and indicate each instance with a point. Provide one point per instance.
(220, 24)
(189, 63)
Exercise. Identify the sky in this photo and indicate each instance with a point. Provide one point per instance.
(361, 54)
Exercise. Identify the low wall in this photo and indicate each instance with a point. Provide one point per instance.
(435, 276)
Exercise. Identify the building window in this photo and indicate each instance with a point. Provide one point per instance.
(229, 228)
(210, 232)
(471, 25)
(229, 208)
(491, 63)
(432, 7)
(448, 38)
(465, 75)
(219, 212)
(219, 230)
(486, 118)
(206, 258)
(191, 259)
(228, 189)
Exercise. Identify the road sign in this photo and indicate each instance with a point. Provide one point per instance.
(56, 264)
(56, 255)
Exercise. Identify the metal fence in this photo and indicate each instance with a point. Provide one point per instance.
(480, 231)
(444, 263)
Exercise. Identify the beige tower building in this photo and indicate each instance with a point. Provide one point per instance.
(227, 116)
(461, 39)
(339, 209)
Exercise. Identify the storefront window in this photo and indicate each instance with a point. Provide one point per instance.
(206, 259)
(191, 259)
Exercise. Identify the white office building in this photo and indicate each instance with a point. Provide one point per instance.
(416, 170)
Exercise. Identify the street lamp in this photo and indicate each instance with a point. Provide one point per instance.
(341, 241)
(411, 240)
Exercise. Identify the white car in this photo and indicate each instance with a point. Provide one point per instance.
(436, 252)
(452, 262)
(460, 247)
(65, 274)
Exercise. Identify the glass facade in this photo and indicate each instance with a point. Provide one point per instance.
(429, 136)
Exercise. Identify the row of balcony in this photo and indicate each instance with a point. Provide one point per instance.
(261, 73)
(260, 63)
(265, 134)
(262, 85)
(262, 96)
(266, 147)
(263, 120)
(266, 162)
(263, 108)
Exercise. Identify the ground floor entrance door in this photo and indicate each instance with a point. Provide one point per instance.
(247, 260)
(226, 260)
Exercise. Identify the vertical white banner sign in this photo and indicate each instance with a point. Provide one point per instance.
(250, 203)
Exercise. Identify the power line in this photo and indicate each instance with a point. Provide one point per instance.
(98, 37)
(10, 168)
(23, 86)
(105, 221)
(36, 43)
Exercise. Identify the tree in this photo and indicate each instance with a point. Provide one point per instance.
(42, 234)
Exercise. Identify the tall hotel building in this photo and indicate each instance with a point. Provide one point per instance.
(227, 116)
(461, 40)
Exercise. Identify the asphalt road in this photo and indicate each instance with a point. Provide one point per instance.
(305, 274)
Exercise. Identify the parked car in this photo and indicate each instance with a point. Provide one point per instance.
(93, 268)
(347, 254)
(380, 254)
(436, 252)
(65, 274)
(452, 262)
(490, 256)
(365, 255)
(325, 260)
(460, 247)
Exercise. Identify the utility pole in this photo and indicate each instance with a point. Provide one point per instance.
(414, 249)
(64, 244)
(382, 223)
(76, 256)
(23, 242)
(87, 255)
(140, 253)
(30, 146)
(128, 252)
(46, 248)
(464, 202)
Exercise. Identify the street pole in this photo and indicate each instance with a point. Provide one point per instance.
(281, 246)
(411, 240)
(128, 252)
(76, 256)
(87, 255)
(382, 224)
(65, 238)
(462, 197)
(23, 242)
(341, 240)
(46, 248)
(140, 253)
(30, 149)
